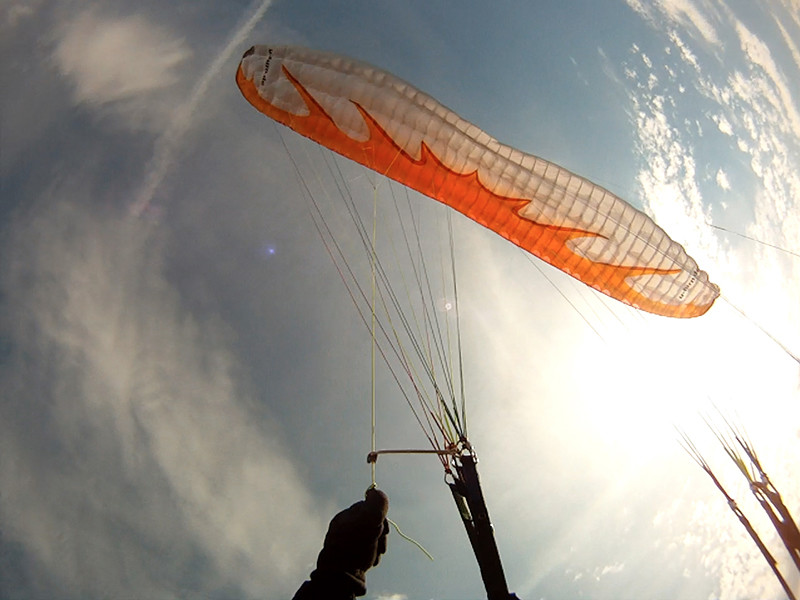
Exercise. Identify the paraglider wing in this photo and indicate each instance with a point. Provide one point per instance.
(389, 126)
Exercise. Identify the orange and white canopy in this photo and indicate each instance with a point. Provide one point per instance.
(387, 125)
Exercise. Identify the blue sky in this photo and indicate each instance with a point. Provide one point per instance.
(186, 392)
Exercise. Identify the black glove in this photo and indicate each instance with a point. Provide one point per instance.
(355, 541)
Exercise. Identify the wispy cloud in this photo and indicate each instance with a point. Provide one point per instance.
(682, 13)
(751, 116)
(119, 63)
(788, 40)
(777, 91)
(130, 455)
(756, 108)
(181, 121)
(669, 182)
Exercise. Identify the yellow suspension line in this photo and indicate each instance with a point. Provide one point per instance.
(372, 350)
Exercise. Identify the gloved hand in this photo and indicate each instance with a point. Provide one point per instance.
(355, 541)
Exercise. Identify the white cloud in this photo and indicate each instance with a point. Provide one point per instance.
(680, 13)
(774, 86)
(130, 454)
(121, 62)
(611, 569)
(686, 54)
(687, 13)
(787, 39)
(722, 180)
(723, 124)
